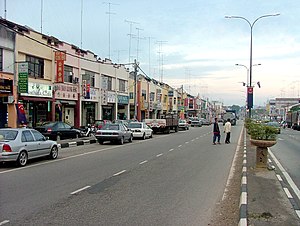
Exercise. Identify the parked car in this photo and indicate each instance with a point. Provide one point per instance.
(59, 131)
(275, 125)
(21, 144)
(183, 124)
(196, 122)
(205, 121)
(100, 123)
(140, 130)
(114, 133)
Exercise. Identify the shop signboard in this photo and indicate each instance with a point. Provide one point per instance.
(103, 96)
(111, 97)
(60, 57)
(123, 99)
(23, 78)
(6, 86)
(39, 90)
(68, 92)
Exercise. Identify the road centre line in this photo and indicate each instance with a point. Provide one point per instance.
(62, 159)
(171, 150)
(143, 162)
(159, 155)
(179, 145)
(119, 173)
(4, 222)
(186, 142)
(79, 190)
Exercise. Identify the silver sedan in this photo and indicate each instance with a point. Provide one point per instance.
(114, 133)
(21, 144)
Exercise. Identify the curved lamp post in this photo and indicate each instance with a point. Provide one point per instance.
(242, 65)
(251, 29)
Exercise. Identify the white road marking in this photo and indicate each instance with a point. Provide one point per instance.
(119, 173)
(286, 175)
(62, 159)
(298, 213)
(192, 140)
(179, 145)
(143, 162)
(279, 177)
(269, 160)
(186, 142)
(4, 222)
(171, 150)
(287, 192)
(244, 169)
(159, 155)
(245, 161)
(197, 138)
(79, 190)
(243, 222)
(280, 139)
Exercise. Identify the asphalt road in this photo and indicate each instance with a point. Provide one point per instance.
(287, 152)
(174, 179)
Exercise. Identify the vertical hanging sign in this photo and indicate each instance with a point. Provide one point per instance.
(250, 97)
(60, 57)
(23, 78)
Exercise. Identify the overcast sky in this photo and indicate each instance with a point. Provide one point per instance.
(188, 43)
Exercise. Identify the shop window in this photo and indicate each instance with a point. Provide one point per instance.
(68, 74)
(131, 95)
(152, 95)
(144, 95)
(35, 66)
(122, 84)
(165, 98)
(1, 59)
(109, 82)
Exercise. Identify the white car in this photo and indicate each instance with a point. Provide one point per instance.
(140, 130)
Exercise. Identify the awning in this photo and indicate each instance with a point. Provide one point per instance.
(70, 102)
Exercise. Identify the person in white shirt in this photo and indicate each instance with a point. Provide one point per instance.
(227, 130)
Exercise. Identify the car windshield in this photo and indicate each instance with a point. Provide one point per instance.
(182, 121)
(8, 134)
(111, 127)
(275, 124)
(134, 125)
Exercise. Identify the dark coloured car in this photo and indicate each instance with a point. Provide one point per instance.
(114, 133)
(59, 131)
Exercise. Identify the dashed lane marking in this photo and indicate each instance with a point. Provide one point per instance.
(143, 162)
(171, 150)
(119, 173)
(287, 192)
(159, 155)
(79, 190)
(179, 145)
(4, 222)
(279, 177)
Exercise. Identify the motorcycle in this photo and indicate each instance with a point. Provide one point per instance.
(86, 131)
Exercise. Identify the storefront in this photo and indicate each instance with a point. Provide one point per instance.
(108, 110)
(89, 105)
(37, 104)
(66, 103)
(6, 98)
(123, 102)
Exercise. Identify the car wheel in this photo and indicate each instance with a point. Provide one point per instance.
(54, 152)
(151, 135)
(22, 159)
(77, 136)
(130, 139)
(121, 141)
(100, 141)
(144, 136)
(58, 137)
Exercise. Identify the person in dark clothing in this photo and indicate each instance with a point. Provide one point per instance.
(216, 131)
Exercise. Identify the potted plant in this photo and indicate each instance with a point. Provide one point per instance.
(262, 136)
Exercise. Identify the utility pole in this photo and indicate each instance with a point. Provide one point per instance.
(135, 65)
(41, 16)
(138, 42)
(130, 37)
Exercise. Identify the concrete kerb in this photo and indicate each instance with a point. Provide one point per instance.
(244, 194)
(76, 143)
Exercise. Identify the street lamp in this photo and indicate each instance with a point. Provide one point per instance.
(242, 65)
(251, 29)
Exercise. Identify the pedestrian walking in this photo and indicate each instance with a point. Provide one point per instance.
(216, 132)
(227, 130)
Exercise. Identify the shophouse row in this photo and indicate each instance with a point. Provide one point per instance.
(57, 81)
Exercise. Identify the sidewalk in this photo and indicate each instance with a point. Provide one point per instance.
(267, 203)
